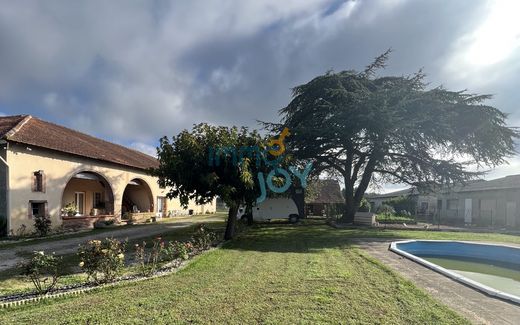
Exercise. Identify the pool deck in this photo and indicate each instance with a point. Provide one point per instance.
(475, 306)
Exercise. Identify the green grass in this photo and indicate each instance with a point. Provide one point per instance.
(360, 232)
(274, 274)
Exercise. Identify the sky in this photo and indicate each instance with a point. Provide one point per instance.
(133, 71)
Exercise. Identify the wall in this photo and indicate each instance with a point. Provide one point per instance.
(59, 169)
(486, 206)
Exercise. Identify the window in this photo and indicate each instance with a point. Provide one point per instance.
(161, 205)
(97, 201)
(79, 201)
(37, 208)
(38, 181)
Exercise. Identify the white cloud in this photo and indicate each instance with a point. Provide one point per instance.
(144, 148)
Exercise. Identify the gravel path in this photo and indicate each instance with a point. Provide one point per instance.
(10, 256)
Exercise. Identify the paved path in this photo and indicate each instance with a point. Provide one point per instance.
(10, 256)
(475, 306)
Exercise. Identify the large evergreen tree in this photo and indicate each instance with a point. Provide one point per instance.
(360, 126)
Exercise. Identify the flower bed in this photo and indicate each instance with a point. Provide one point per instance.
(104, 262)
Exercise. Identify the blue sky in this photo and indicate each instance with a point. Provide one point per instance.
(133, 71)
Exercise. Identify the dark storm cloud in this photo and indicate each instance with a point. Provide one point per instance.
(132, 72)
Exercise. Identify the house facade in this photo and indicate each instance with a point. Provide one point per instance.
(482, 203)
(75, 178)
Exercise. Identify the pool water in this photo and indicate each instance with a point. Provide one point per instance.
(499, 276)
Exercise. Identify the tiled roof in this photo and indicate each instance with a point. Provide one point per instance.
(30, 130)
(329, 192)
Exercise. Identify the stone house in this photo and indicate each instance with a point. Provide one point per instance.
(50, 169)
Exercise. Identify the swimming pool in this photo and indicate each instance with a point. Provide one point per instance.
(490, 268)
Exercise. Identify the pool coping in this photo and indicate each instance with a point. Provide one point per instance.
(455, 276)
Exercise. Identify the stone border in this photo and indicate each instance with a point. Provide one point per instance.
(453, 275)
(89, 287)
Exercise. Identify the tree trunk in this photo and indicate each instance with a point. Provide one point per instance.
(249, 214)
(350, 211)
(231, 222)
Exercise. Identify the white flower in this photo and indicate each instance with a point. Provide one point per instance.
(121, 256)
(40, 253)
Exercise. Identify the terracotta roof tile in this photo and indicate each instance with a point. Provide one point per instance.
(33, 131)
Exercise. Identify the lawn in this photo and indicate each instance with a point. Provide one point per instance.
(271, 274)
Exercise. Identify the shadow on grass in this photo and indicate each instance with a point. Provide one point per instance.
(289, 238)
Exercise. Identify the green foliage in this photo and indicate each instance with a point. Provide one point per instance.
(393, 218)
(385, 209)
(42, 225)
(148, 261)
(103, 260)
(42, 270)
(203, 238)
(187, 165)
(177, 249)
(391, 129)
(364, 205)
(402, 203)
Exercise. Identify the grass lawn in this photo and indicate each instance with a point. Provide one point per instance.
(272, 274)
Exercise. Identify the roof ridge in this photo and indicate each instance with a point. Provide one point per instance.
(18, 126)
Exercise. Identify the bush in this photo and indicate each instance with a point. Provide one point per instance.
(178, 249)
(393, 219)
(385, 209)
(364, 206)
(42, 225)
(149, 262)
(401, 203)
(103, 260)
(203, 238)
(42, 270)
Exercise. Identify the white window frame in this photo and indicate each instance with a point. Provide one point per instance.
(80, 213)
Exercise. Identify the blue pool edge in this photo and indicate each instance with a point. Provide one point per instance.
(454, 276)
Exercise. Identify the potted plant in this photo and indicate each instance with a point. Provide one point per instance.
(70, 209)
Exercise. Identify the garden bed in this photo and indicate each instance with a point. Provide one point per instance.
(74, 289)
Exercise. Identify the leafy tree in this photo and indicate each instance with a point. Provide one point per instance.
(211, 161)
(393, 129)
(402, 203)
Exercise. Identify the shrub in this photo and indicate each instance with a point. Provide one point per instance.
(42, 270)
(385, 209)
(148, 262)
(203, 238)
(392, 218)
(178, 249)
(364, 206)
(103, 260)
(42, 225)
(400, 203)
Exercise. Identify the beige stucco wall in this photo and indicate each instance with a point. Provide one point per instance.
(59, 168)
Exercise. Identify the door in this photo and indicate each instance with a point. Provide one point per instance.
(511, 214)
(79, 201)
(468, 210)
(161, 202)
